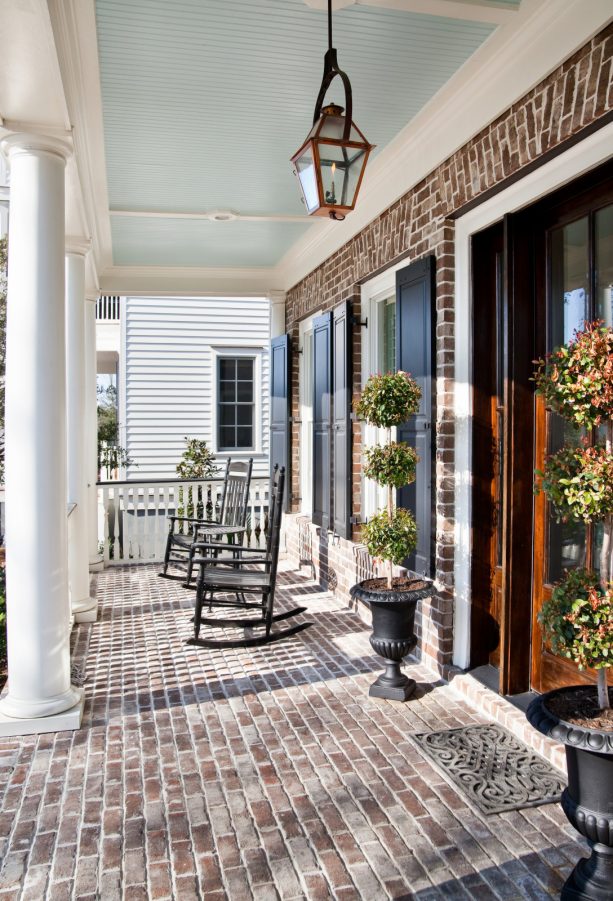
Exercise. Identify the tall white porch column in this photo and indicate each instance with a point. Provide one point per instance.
(91, 431)
(277, 313)
(84, 608)
(39, 695)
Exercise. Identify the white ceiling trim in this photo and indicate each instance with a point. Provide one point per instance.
(150, 281)
(470, 10)
(511, 62)
(219, 216)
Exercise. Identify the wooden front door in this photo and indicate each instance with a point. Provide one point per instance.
(488, 456)
(574, 284)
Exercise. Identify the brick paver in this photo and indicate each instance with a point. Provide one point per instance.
(266, 773)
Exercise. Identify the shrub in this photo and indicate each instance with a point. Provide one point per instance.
(391, 464)
(391, 537)
(578, 482)
(197, 462)
(579, 620)
(388, 400)
(576, 380)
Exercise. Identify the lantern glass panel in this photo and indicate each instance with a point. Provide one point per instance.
(341, 168)
(333, 127)
(305, 167)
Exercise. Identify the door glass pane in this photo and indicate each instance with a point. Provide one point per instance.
(604, 265)
(569, 300)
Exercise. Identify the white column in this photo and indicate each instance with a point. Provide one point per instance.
(91, 432)
(39, 693)
(277, 313)
(84, 608)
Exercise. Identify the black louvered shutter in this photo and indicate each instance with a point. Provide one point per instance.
(322, 392)
(341, 385)
(414, 314)
(279, 408)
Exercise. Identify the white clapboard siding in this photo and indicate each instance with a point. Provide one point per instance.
(167, 382)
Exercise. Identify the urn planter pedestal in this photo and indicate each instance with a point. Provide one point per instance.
(393, 619)
(588, 799)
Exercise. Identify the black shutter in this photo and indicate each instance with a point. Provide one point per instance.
(414, 313)
(279, 408)
(322, 391)
(341, 383)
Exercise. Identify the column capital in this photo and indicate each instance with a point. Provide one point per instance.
(25, 142)
(77, 246)
(91, 296)
(276, 296)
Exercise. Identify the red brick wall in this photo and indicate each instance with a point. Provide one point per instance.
(573, 97)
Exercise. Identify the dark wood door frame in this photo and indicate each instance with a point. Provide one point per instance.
(524, 327)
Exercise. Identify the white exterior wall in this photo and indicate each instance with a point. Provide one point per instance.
(167, 379)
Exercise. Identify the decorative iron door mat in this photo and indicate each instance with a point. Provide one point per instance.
(491, 767)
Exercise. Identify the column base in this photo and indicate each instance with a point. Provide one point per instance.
(96, 564)
(29, 718)
(86, 611)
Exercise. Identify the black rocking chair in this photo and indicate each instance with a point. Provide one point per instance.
(232, 572)
(181, 548)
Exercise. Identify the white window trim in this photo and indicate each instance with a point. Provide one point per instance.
(597, 148)
(254, 353)
(305, 370)
(373, 292)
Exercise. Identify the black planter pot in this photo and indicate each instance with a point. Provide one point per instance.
(588, 800)
(393, 618)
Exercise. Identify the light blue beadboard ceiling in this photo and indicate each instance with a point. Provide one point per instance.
(188, 242)
(204, 102)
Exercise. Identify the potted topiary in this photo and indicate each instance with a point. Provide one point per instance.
(576, 381)
(391, 534)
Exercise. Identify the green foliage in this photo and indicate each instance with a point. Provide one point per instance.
(578, 482)
(390, 537)
(391, 464)
(389, 399)
(576, 380)
(578, 620)
(197, 462)
(108, 426)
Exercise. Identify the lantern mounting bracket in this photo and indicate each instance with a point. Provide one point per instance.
(331, 70)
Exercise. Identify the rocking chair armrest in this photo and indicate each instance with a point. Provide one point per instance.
(228, 561)
(222, 546)
(200, 522)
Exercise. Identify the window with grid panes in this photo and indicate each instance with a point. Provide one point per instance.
(235, 403)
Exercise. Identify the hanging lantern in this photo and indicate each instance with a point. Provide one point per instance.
(331, 162)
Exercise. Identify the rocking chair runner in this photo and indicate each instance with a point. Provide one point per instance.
(233, 573)
(181, 548)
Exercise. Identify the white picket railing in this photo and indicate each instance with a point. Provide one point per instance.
(107, 309)
(133, 516)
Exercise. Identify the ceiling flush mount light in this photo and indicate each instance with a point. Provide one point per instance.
(331, 161)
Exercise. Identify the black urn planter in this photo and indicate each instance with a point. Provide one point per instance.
(588, 800)
(393, 618)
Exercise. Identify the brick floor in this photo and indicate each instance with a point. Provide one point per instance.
(259, 774)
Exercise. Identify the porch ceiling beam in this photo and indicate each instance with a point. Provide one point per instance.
(473, 10)
(220, 216)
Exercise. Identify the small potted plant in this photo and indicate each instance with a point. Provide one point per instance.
(576, 381)
(391, 534)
